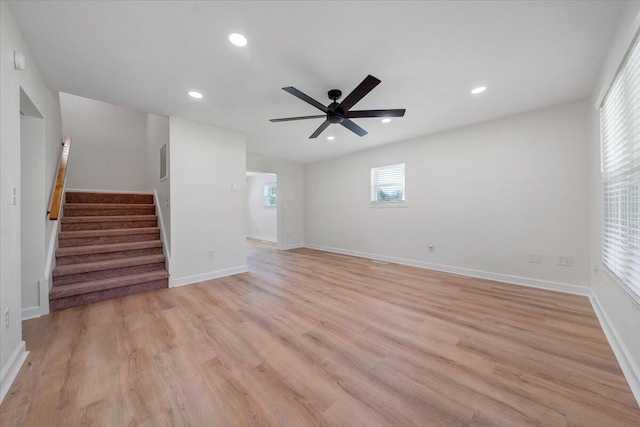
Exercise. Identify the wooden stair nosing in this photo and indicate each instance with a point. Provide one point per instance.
(111, 264)
(64, 291)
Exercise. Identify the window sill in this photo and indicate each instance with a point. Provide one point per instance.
(630, 293)
(390, 205)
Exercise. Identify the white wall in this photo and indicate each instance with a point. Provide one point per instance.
(262, 221)
(109, 148)
(32, 209)
(290, 197)
(486, 196)
(620, 311)
(206, 213)
(12, 350)
(157, 136)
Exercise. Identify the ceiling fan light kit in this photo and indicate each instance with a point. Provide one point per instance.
(340, 113)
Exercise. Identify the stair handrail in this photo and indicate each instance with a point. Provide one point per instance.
(58, 190)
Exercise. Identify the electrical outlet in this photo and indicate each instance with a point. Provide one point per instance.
(212, 254)
(565, 261)
(430, 246)
(6, 319)
(535, 258)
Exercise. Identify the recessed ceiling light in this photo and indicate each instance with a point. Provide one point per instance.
(331, 138)
(387, 120)
(238, 39)
(479, 90)
(196, 95)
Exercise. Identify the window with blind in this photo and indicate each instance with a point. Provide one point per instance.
(620, 140)
(387, 185)
(270, 192)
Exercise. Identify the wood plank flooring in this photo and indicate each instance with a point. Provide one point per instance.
(308, 338)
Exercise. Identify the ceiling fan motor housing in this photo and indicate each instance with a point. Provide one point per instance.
(335, 115)
(335, 94)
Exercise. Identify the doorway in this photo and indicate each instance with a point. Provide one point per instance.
(32, 201)
(262, 207)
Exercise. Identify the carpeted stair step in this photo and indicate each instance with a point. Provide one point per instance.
(103, 237)
(72, 295)
(89, 197)
(108, 247)
(91, 253)
(75, 273)
(107, 222)
(107, 209)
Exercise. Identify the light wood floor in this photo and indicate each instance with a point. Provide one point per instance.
(311, 338)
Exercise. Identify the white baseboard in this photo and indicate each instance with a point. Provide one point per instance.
(498, 277)
(11, 369)
(188, 280)
(268, 239)
(290, 246)
(622, 353)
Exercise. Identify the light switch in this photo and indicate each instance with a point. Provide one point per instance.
(14, 196)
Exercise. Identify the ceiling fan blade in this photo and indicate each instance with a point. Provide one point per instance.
(354, 127)
(375, 113)
(289, 119)
(359, 92)
(306, 98)
(321, 129)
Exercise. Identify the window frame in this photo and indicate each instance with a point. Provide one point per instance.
(632, 288)
(373, 186)
(266, 196)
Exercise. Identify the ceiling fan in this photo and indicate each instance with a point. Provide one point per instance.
(340, 113)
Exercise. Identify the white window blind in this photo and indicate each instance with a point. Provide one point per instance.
(387, 184)
(620, 140)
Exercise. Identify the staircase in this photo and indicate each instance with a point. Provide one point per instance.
(109, 247)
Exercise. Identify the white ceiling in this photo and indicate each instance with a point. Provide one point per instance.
(429, 55)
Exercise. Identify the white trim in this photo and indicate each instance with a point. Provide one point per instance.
(31, 312)
(268, 239)
(196, 278)
(51, 250)
(82, 190)
(290, 246)
(622, 353)
(165, 247)
(614, 67)
(498, 277)
(11, 369)
(45, 284)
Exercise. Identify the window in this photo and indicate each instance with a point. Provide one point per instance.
(163, 162)
(620, 140)
(270, 191)
(387, 185)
